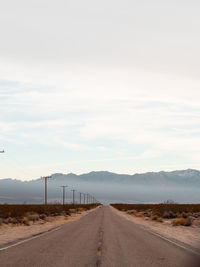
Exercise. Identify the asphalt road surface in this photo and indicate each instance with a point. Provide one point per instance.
(101, 238)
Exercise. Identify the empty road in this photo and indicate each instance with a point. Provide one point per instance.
(101, 238)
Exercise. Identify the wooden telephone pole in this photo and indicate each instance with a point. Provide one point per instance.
(80, 197)
(87, 198)
(63, 187)
(45, 187)
(73, 196)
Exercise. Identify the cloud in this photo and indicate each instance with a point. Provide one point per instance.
(71, 146)
(104, 81)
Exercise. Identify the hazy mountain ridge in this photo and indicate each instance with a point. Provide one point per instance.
(184, 176)
(188, 175)
(181, 186)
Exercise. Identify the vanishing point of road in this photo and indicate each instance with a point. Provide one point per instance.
(101, 238)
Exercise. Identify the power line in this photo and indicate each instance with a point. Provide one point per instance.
(88, 198)
(81, 197)
(73, 190)
(63, 187)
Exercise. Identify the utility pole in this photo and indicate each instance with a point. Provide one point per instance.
(80, 197)
(87, 198)
(63, 187)
(84, 197)
(73, 190)
(45, 187)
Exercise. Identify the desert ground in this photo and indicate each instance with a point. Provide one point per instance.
(17, 228)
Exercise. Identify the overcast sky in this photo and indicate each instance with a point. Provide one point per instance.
(99, 85)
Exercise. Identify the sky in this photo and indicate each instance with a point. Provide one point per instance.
(99, 85)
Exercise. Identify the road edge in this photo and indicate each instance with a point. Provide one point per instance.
(173, 241)
(22, 240)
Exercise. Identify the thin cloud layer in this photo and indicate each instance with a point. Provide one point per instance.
(98, 86)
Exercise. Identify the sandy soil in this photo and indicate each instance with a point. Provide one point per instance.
(188, 235)
(11, 233)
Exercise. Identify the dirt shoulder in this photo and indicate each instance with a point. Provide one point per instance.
(12, 233)
(188, 235)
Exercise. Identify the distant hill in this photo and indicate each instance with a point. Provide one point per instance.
(180, 186)
(186, 177)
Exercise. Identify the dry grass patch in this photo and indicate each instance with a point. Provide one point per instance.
(131, 212)
(72, 210)
(28, 214)
(177, 214)
(33, 217)
(182, 221)
(196, 222)
(156, 218)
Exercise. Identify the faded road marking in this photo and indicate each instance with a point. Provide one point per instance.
(99, 248)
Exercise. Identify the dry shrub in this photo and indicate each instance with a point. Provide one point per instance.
(56, 214)
(160, 219)
(130, 212)
(13, 220)
(33, 217)
(161, 208)
(154, 217)
(25, 221)
(182, 221)
(172, 214)
(196, 215)
(18, 211)
(5, 221)
(49, 219)
(81, 209)
(42, 216)
(197, 222)
(169, 215)
(138, 214)
(184, 215)
(72, 210)
(157, 218)
(188, 222)
(147, 214)
(166, 215)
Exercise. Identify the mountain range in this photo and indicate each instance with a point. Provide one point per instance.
(179, 186)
